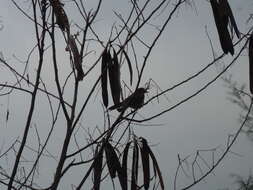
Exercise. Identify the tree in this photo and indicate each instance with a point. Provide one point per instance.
(74, 63)
(239, 95)
(243, 183)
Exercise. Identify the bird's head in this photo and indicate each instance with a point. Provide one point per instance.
(142, 90)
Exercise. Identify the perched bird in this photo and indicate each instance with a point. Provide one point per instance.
(135, 101)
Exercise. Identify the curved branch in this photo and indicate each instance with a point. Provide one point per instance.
(225, 153)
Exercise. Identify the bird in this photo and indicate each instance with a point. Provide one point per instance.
(135, 101)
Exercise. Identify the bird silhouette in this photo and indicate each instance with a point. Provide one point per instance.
(135, 101)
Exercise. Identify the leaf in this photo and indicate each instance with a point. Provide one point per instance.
(112, 160)
(145, 163)
(134, 178)
(114, 77)
(124, 166)
(155, 164)
(251, 63)
(98, 162)
(104, 66)
(129, 66)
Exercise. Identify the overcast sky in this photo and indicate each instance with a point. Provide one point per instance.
(204, 122)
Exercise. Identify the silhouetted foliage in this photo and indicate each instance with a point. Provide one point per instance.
(111, 150)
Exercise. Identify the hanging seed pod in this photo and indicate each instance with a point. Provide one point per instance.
(155, 164)
(77, 58)
(112, 160)
(43, 7)
(114, 77)
(145, 163)
(251, 63)
(98, 163)
(226, 9)
(7, 115)
(221, 21)
(28, 80)
(129, 66)
(124, 166)
(114, 164)
(60, 15)
(134, 178)
(104, 66)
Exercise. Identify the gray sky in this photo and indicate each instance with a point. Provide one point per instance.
(204, 122)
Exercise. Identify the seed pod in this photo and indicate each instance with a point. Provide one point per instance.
(134, 178)
(98, 162)
(124, 166)
(114, 77)
(155, 164)
(114, 164)
(112, 160)
(129, 66)
(28, 80)
(7, 115)
(60, 15)
(104, 66)
(251, 63)
(145, 163)
(221, 21)
(226, 9)
(77, 58)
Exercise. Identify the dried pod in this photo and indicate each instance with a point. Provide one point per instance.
(134, 178)
(221, 21)
(145, 163)
(28, 80)
(226, 9)
(129, 66)
(104, 66)
(155, 164)
(77, 58)
(124, 166)
(98, 162)
(60, 15)
(7, 115)
(135, 100)
(251, 63)
(112, 160)
(114, 77)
